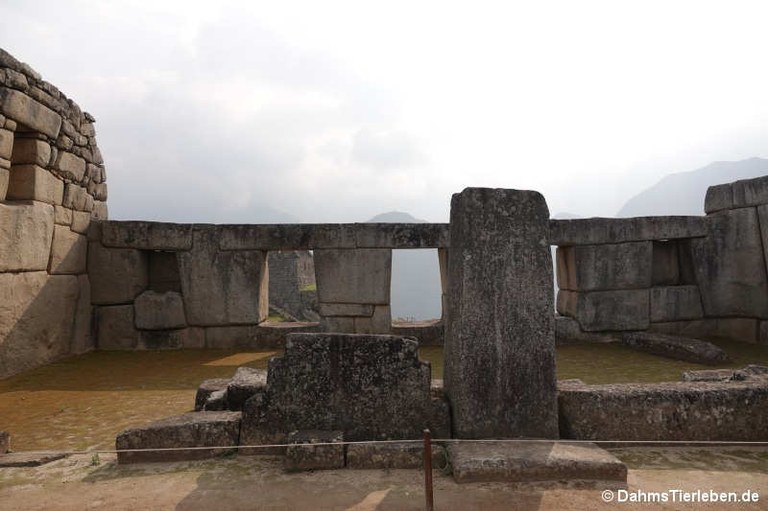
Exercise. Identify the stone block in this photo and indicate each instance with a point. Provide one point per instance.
(606, 310)
(684, 411)
(218, 430)
(675, 303)
(401, 235)
(147, 235)
(609, 266)
(346, 309)
(676, 347)
(30, 182)
(222, 288)
(100, 191)
(76, 197)
(36, 319)
(81, 221)
(5, 442)
(392, 456)
(718, 198)
(500, 335)
(115, 328)
(83, 340)
(324, 381)
(353, 276)
(207, 388)
(567, 330)
(303, 453)
(170, 339)
(26, 234)
(339, 324)
(117, 275)
(68, 252)
(62, 216)
(511, 462)
(665, 265)
(159, 311)
(750, 192)
(5, 177)
(730, 266)
(381, 321)
(25, 110)
(31, 151)
(596, 231)
(70, 166)
(100, 210)
(6, 144)
(735, 329)
(246, 382)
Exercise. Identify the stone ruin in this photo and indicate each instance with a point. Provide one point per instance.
(72, 281)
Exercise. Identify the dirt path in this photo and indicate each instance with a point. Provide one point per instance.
(257, 483)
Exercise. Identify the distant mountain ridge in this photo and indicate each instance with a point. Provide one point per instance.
(683, 193)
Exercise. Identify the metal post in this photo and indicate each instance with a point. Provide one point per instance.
(428, 470)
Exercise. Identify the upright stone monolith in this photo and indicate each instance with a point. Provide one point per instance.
(500, 338)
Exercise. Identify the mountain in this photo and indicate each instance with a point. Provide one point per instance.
(683, 193)
(416, 289)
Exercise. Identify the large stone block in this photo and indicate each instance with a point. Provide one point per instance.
(675, 303)
(117, 275)
(392, 455)
(606, 267)
(304, 455)
(5, 178)
(679, 348)
(68, 251)
(70, 166)
(30, 182)
(36, 319)
(735, 329)
(81, 221)
(25, 110)
(26, 234)
(353, 276)
(31, 151)
(6, 144)
(596, 231)
(115, 328)
(730, 266)
(83, 339)
(750, 192)
(218, 430)
(606, 310)
(147, 235)
(223, 287)
(500, 336)
(367, 386)
(76, 197)
(718, 198)
(246, 382)
(159, 311)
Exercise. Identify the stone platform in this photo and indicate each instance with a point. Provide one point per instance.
(526, 461)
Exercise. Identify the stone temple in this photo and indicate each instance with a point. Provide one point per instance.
(72, 281)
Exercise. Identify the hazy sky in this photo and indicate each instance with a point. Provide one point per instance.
(331, 111)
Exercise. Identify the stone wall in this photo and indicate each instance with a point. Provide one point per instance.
(52, 184)
(292, 287)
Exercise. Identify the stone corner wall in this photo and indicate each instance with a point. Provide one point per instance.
(52, 184)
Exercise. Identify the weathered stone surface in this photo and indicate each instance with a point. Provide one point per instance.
(246, 382)
(263, 336)
(68, 251)
(222, 288)
(346, 309)
(164, 271)
(595, 231)
(368, 386)
(117, 275)
(673, 346)
(216, 402)
(5, 178)
(533, 461)
(30, 458)
(81, 221)
(6, 144)
(147, 235)
(567, 330)
(665, 266)
(720, 375)
(303, 454)
(100, 210)
(750, 192)
(30, 182)
(169, 339)
(361, 276)
(207, 388)
(83, 340)
(62, 216)
(606, 310)
(5, 442)
(197, 429)
(159, 311)
(379, 323)
(392, 456)
(428, 333)
(606, 267)
(31, 151)
(718, 198)
(500, 336)
(675, 303)
(26, 234)
(36, 319)
(730, 266)
(737, 329)
(21, 108)
(115, 328)
(76, 197)
(688, 411)
(339, 324)
(70, 166)
(397, 235)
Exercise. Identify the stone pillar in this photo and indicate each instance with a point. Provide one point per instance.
(500, 338)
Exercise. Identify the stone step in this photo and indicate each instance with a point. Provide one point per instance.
(533, 461)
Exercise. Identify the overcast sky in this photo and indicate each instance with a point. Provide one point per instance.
(331, 111)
